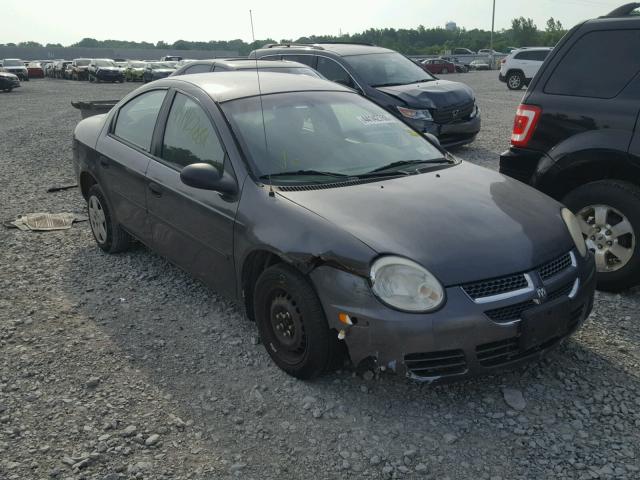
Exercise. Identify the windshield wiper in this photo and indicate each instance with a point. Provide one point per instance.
(395, 166)
(303, 172)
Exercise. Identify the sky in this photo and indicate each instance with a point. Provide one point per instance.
(68, 21)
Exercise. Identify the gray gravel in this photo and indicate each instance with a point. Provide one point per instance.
(122, 367)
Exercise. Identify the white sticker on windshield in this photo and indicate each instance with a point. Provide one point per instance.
(375, 118)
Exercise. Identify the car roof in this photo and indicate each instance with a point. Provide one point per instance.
(233, 85)
(337, 48)
(244, 64)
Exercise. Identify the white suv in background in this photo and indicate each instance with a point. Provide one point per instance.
(521, 66)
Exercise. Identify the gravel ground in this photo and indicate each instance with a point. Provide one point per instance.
(121, 367)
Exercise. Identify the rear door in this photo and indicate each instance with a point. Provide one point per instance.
(124, 156)
(190, 226)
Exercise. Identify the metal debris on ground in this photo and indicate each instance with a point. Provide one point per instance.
(45, 221)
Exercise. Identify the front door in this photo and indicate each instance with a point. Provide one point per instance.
(192, 227)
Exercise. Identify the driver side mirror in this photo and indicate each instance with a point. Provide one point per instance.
(207, 177)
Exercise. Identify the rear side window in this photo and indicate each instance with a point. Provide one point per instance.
(199, 68)
(535, 55)
(334, 72)
(137, 119)
(306, 59)
(189, 136)
(598, 65)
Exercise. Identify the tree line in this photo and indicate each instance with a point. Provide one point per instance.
(413, 41)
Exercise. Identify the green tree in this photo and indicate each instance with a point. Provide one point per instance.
(524, 32)
(87, 42)
(554, 32)
(29, 44)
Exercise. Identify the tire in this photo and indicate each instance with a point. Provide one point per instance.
(617, 250)
(108, 234)
(8, 90)
(307, 347)
(515, 80)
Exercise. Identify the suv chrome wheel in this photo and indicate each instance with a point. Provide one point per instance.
(97, 219)
(609, 235)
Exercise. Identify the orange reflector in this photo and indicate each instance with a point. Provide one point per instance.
(344, 318)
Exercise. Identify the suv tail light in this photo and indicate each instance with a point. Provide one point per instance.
(503, 61)
(524, 124)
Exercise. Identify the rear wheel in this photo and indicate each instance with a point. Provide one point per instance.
(292, 324)
(609, 214)
(515, 80)
(108, 234)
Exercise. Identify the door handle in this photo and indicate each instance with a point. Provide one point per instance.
(155, 189)
(104, 162)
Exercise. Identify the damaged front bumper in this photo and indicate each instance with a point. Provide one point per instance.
(465, 337)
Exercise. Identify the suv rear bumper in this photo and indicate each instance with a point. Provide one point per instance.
(522, 164)
(501, 77)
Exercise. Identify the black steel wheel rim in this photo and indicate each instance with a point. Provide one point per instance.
(286, 326)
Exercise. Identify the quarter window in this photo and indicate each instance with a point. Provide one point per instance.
(308, 60)
(199, 68)
(334, 72)
(582, 70)
(189, 136)
(137, 119)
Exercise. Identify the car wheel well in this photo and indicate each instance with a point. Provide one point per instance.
(86, 182)
(586, 168)
(515, 70)
(256, 263)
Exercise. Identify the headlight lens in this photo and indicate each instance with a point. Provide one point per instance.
(415, 114)
(574, 229)
(405, 285)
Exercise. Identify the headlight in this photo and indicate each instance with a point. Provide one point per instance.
(415, 114)
(405, 285)
(574, 229)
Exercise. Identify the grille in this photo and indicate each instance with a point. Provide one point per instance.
(496, 286)
(554, 267)
(505, 351)
(510, 312)
(560, 292)
(324, 186)
(448, 115)
(435, 364)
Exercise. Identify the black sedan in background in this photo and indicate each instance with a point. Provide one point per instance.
(157, 70)
(233, 65)
(104, 70)
(8, 81)
(336, 225)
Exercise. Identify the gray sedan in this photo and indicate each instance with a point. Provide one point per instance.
(339, 228)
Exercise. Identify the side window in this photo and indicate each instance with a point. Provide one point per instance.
(198, 68)
(540, 55)
(189, 136)
(137, 118)
(334, 72)
(580, 71)
(523, 56)
(309, 60)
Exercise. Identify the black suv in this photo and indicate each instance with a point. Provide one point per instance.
(445, 109)
(575, 138)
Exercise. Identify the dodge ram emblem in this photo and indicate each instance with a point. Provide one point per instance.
(541, 293)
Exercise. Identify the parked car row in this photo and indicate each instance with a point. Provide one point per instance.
(109, 70)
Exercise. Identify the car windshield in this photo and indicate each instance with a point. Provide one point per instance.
(295, 70)
(82, 63)
(387, 69)
(13, 63)
(318, 136)
(105, 63)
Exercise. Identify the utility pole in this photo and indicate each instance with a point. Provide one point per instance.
(493, 20)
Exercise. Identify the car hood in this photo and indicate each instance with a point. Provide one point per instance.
(15, 68)
(463, 223)
(163, 70)
(8, 75)
(434, 94)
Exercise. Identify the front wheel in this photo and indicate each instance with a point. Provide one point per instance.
(108, 233)
(515, 81)
(292, 324)
(609, 215)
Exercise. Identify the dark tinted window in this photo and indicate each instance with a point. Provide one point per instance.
(306, 59)
(536, 55)
(189, 136)
(598, 65)
(137, 118)
(198, 68)
(334, 72)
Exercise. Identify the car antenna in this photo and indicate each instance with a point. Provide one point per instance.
(264, 128)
